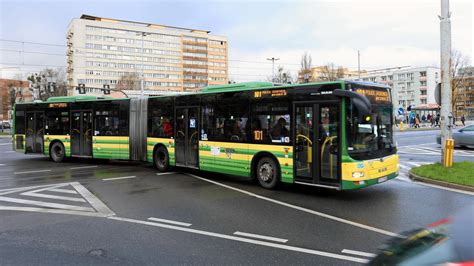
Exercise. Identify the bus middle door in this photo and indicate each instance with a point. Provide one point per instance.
(186, 137)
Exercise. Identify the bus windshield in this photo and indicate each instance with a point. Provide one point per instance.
(370, 136)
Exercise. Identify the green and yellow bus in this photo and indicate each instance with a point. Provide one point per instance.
(333, 134)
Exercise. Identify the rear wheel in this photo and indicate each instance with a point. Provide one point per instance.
(267, 172)
(161, 159)
(56, 152)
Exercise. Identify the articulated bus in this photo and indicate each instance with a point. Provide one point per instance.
(334, 134)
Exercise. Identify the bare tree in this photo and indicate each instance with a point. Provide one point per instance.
(329, 72)
(306, 66)
(48, 83)
(130, 81)
(282, 76)
(458, 78)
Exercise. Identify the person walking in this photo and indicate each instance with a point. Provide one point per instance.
(437, 120)
(463, 120)
(417, 121)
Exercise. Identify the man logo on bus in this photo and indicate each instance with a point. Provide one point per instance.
(228, 152)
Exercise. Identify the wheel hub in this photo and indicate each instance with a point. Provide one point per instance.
(266, 172)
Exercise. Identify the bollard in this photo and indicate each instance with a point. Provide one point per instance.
(448, 155)
(401, 125)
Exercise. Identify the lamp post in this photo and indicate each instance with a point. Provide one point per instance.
(273, 59)
(142, 83)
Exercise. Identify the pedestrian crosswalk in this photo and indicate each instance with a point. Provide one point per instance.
(432, 150)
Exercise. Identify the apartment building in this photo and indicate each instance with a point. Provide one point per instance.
(410, 86)
(322, 73)
(103, 51)
(464, 102)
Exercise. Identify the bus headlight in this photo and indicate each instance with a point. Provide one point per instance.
(357, 174)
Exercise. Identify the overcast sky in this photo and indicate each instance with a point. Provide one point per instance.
(387, 32)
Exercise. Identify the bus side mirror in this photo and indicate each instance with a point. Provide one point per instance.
(360, 102)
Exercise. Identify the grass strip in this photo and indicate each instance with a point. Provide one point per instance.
(461, 173)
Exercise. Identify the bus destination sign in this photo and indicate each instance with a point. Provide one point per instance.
(269, 93)
(57, 105)
(375, 96)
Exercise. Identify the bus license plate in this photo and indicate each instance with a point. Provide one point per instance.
(382, 179)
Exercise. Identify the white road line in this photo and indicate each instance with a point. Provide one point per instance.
(8, 151)
(276, 239)
(118, 178)
(367, 227)
(1, 164)
(414, 164)
(167, 173)
(57, 211)
(60, 190)
(404, 166)
(358, 253)
(46, 204)
(168, 221)
(5, 144)
(83, 167)
(46, 196)
(245, 240)
(93, 200)
(445, 188)
(31, 172)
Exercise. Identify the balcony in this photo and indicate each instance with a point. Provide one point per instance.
(204, 44)
(195, 58)
(190, 50)
(423, 78)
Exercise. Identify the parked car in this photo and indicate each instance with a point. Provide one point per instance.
(462, 137)
(5, 124)
(446, 242)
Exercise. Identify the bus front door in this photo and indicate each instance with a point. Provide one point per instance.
(316, 143)
(34, 132)
(186, 141)
(81, 133)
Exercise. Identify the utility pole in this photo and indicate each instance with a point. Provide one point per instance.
(273, 59)
(445, 41)
(358, 62)
(142, 83)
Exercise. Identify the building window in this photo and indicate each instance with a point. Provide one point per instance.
(423, 74)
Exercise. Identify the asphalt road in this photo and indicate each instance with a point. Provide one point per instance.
(101, 212)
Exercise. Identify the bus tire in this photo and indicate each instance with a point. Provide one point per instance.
(161, 159)
(267, 172)
(57, 152)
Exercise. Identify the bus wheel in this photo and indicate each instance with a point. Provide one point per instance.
(162, 159)
(267, 173)
(56, 152)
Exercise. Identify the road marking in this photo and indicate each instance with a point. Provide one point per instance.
(118, 178)
(276, 239)
(167, 173)
(358, 253)
(335, 218)
(8, 151)
(46, 204)
(5, 144)
(404, 166)
(96, 208)
(34, 193)
(93, 200)
(414, 164)
(31, 172)
(83, 167)
(444, 188)
(1, 164)
(245, 240)
(168, 221)
(60, 190)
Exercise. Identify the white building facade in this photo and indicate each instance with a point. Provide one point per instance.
(170, 59)
(410, 86)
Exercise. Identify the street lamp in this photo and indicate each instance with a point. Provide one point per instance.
(143, 34)
(273, 59)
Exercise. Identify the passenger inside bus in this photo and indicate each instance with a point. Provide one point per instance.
(280, 130)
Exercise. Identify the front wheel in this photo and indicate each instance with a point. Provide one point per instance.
(267, 173)
(162, 159)
(56, 152)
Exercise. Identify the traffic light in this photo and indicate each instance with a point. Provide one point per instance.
(81, 88)
(106, 89)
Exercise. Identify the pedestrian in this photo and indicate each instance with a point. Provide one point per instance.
(417, 121)
(423, 118)
(438, 116)
(463, 120)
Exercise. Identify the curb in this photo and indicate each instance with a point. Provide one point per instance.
(415, 177)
